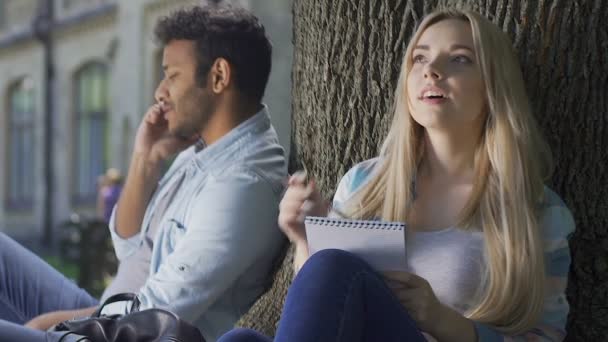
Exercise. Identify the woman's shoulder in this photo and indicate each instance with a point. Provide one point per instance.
(354, 178)
(556, 219)
(358, 174)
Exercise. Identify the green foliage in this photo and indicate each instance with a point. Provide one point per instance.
(68, 269)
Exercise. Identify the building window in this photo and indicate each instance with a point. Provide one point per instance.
(75, 5)
(91, 130)
(16, 15)
(2, 15)
(20, 148)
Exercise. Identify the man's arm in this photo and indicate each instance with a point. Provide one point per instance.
(141, 181)
(47, 320)
(232, 229)
(153, 145)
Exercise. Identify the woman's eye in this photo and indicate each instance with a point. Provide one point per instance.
(462, 59)
(418, 59)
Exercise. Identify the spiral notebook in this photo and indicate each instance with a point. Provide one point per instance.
(380, 244)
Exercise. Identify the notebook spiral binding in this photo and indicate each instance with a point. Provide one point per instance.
(363, 224)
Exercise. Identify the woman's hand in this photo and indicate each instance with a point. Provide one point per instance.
(300, 200)
(418, 298)
(49, 319)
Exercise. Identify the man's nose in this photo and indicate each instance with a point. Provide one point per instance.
(161, 94)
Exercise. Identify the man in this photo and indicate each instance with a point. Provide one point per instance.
(215, 211)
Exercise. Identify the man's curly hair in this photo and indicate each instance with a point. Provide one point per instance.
(228, 32)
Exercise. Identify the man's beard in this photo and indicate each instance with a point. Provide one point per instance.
(184, 130)
(198, 109)
(189, 128)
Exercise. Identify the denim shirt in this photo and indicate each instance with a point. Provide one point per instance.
(218, 238)
(556, 223)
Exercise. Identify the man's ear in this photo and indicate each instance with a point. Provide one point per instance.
(221, 75)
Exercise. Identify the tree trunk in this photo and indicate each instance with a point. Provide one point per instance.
(346, 61)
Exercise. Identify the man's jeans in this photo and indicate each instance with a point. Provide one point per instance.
(337, 297)
(30, 287)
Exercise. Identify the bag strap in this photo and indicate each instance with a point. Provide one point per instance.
(120, 297)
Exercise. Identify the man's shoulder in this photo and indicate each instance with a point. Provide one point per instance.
(259, 160)
(238, 175)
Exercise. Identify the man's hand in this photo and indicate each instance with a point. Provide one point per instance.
(154, 143)
(153, 139)
(47, 320)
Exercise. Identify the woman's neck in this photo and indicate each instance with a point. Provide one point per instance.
(449, 156)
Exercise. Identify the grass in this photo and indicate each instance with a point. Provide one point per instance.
(71, 271)
(68, 269)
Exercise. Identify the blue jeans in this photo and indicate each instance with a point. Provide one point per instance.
(30, 287)
(338, 297)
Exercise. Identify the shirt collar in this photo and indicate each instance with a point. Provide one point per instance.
(258, 122)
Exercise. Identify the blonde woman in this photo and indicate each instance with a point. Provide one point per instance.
(463, 165)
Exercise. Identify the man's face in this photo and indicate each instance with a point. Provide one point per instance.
(187, 107)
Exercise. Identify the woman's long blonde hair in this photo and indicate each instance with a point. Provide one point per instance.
(511, 163)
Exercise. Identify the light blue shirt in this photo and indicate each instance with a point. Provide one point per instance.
(218, 237)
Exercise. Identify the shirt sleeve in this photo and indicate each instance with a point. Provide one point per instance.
(557, 224)
(123, 247)
(352, 180)
(343, 191)
(230, 228)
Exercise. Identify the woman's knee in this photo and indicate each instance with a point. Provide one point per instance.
(8, 246)
(334, 261)
(243, 335)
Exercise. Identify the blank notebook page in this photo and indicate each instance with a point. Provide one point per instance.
(380, 244)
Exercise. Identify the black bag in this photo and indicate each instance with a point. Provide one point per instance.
(151, 325)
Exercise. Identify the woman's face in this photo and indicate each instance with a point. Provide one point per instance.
(444, 85)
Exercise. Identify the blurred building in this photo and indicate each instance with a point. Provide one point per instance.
(105, 67)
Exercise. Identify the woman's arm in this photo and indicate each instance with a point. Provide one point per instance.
(300, 200)
(299, 257)
(47, 320)
(294, 209)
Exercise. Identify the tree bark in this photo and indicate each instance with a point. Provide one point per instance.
(346, 61)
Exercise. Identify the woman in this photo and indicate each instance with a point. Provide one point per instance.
(109, 188)
(463, 165)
